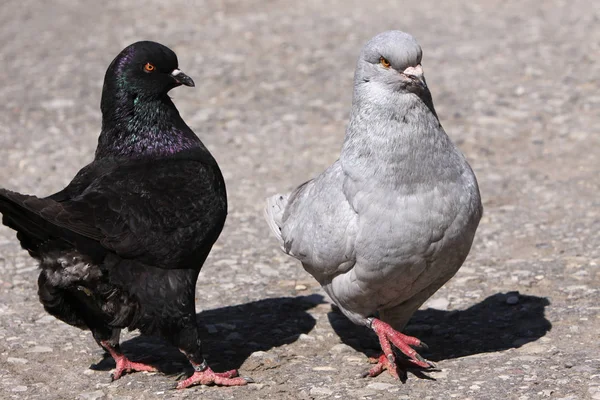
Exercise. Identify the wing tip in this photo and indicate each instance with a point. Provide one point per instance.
(273, 213)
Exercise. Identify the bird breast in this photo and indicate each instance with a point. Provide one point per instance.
(411, 225)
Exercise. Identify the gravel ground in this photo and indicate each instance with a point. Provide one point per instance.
(516, 85)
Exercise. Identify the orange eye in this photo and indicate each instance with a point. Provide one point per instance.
(384, 62)
(149, 67)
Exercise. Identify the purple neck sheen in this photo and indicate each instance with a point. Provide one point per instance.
(153, 143)
(149, 141)
(149, 128)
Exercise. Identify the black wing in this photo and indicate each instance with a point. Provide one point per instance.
(160, 212)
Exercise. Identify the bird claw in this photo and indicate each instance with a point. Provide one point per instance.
(424, 360)
(388, 336)
(180, 376)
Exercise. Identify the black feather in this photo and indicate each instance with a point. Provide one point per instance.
(123, 243)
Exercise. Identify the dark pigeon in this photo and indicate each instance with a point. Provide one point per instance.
(122, 245)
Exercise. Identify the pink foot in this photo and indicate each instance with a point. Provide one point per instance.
(388, 336)
(126, 366)
(209, 377)
(381, 364)
(123, 363)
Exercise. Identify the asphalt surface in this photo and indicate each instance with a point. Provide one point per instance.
(516, 85)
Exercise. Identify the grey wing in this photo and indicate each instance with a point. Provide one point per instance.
(317, 225)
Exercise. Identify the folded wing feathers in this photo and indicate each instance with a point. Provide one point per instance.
(274, 215)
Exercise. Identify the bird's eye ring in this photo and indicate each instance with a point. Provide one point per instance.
(384, 62)
(149, 67)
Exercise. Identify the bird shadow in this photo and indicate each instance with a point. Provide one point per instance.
(489, 326)
(229, 335)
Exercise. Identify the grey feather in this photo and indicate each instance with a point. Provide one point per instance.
(394, 217)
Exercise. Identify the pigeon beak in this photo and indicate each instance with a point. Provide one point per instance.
(415, 74)
(182, 78)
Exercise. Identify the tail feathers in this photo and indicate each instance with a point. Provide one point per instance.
(274, 214)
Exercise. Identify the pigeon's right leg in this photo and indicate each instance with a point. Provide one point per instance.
(388, 336)
(189, 344)
(108, 339)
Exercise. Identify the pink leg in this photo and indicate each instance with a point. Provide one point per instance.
(388, 336)
(206, 376)
(123, 363)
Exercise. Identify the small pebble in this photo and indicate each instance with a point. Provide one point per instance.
(321, 391)
(261, 360)
(95, 395)
(15, 360)
(341, 348)
(46, 319)
(594, 392)
(512, 299)
(380, 386)
(362, 393)
(324, 369)
(40, 349)
(440, 303)
(520, 90)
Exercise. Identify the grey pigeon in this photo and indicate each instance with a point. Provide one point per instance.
(393, 219)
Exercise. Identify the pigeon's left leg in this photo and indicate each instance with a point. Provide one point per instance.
(388, 336)
(110, 343)
(189, 344)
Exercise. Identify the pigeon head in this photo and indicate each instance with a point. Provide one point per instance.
(392, 61)
(138, 117)
(146, 69)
